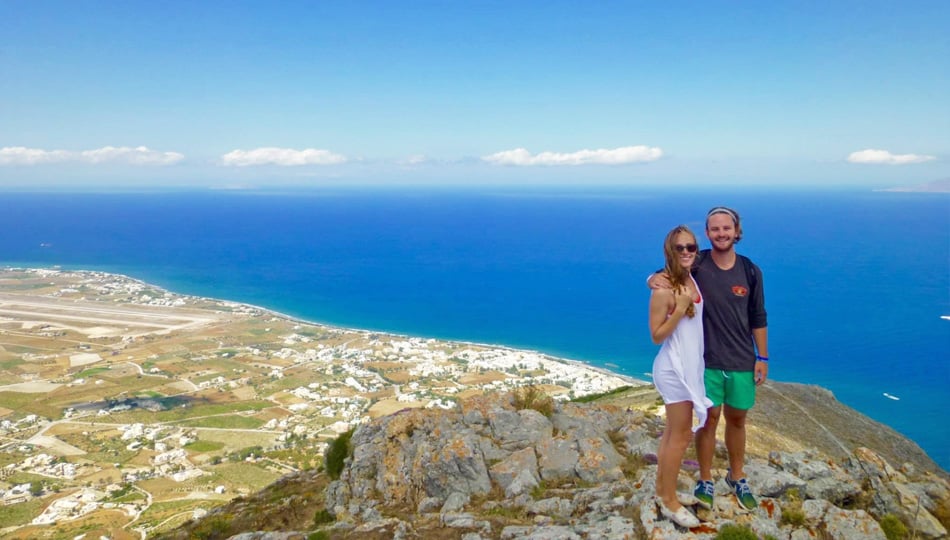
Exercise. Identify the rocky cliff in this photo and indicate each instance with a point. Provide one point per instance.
(520, 466)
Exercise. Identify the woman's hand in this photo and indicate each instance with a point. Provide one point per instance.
(683, 300)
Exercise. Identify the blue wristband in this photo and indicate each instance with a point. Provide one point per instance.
(761, 358)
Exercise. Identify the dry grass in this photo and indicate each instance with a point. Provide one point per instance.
(533, 397)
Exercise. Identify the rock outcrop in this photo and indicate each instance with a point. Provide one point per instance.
(494, 470)
(490, 471)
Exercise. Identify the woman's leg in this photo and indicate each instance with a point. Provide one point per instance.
(676, 437)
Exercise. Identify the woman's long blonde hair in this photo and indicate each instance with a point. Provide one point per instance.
(678, 275)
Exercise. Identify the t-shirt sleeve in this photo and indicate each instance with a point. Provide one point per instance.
(757, 314)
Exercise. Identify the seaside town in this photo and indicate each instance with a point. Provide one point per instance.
(132, 408)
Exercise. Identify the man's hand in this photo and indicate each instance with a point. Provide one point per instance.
(761, 372)
(659, 280)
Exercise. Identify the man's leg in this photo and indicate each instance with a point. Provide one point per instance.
(740, 397)
(735, 440)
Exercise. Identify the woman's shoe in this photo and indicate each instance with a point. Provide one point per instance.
(686, 499)
(682, 517)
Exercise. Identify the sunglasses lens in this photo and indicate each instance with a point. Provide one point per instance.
(688, 247)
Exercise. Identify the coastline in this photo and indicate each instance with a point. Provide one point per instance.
(578, 364)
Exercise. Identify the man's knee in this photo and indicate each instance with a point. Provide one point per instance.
(735, 417)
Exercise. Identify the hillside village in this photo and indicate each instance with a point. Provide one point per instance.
(128, 409)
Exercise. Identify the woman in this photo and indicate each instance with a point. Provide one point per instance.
(676, 321)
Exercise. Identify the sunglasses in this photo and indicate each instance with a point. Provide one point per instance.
(688, 247)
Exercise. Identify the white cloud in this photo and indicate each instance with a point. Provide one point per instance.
(19, 155)
(139, 155)
(284, 157)
(417, 159)
(616, 156)
(886, 158)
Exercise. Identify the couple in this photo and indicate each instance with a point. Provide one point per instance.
(708, 311)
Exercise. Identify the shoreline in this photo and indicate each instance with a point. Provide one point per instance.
(576, 369)
(580, 364)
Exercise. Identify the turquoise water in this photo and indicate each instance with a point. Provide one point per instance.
(856, 282)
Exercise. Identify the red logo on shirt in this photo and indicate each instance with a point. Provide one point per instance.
(739, 290)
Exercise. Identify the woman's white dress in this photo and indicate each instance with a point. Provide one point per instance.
(678, 367)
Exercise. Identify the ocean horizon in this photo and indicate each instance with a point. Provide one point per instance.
(857, 282)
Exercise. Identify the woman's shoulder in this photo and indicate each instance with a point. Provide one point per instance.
(662, 294)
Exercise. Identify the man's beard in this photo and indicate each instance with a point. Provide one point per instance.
(716, 247)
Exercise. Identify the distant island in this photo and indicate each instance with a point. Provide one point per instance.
(937, 186)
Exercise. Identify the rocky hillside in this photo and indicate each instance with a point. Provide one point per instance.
(520, 466)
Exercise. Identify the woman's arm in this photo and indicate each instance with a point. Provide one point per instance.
(662, 321)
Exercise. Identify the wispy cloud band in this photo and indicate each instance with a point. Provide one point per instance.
(616, 156)
(284, 157)
(886, 158)
(141, 155)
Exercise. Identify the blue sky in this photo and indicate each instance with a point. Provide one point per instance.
(257, 94)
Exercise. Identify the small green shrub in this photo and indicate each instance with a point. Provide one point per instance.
(337, 452)
(538, 491)
(793, 516)
(532, 397)
(323, 517)
(735, 532)
(319, 535)
(893, 527)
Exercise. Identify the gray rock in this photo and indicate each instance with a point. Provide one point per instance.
(840, 524)
(802, 534)
(913, 510)
(512, 532)
(557, 459)
(428, 504)
(492, 451)
(457, 466)
(370, 514)
(823, 479)
(598, 461)
(611, 528)
(802, 464)
(515, 430)
(638, 441)
(852, 525)
(550, 532)
(525, 482)
(459, 520)
(521, 466)
(455, 502)
(553, 506)
(764, 527)
(766, 481)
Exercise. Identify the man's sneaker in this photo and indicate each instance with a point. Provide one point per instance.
(704, 493)
(743, 492)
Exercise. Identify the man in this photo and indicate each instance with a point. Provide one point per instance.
(734, 328)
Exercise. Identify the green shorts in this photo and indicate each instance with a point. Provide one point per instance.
(734, 388)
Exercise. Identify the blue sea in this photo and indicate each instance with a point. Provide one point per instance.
(856, 281)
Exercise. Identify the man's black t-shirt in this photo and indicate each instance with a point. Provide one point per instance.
(732, 308)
